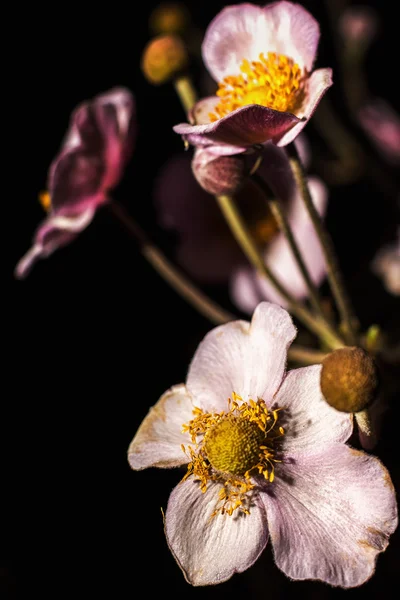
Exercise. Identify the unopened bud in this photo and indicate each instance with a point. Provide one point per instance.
(164, 58)
(219, 175)
(349, 379)
(169, 17)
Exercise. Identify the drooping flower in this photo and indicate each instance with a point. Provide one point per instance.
(262, 59)
(90, 163)
(206, 246)
(386, 265)
(265, 456)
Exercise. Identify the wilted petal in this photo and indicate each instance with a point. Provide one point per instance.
(55, 231)
(312, 424)
(244, 127)
(158, 440)
(382, 124)
(248, 359)
(330, 515)
(244, 31)
(208, 549)
(319, 82)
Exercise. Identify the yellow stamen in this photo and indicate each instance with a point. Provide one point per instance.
(45, 200)
(275, 81)
(231, 447)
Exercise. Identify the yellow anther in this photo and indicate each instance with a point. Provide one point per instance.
(45, 200)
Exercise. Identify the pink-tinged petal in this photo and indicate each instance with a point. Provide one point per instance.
(330, 515)
(249, 288)
(244, 31)
(158, 440)
(312, 424)
(386, 265)
(200, 113)
(319, 82)
(248, 359)
(209, 550)
(244, 127)
(382, 124)
(55, 231)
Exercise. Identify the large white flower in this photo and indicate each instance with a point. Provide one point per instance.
(265, 456)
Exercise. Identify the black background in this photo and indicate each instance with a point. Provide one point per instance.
(94, 336)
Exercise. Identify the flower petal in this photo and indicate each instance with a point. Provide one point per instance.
(244, 31)
(240, 357)
(244, 127)
(319, 82)
(209, 550)
(248, 288)
(311, 423)
(158, 440)
(56, 231)
(330, 515)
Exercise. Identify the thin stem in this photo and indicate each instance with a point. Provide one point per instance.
(305, 356)
(278, 212)
(333, 271)
(367, 433)
(245, 240)
(194, 296)
(186, 92)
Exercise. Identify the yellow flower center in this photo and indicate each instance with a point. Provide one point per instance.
(45, 200)
(231, 447)
(276, 81)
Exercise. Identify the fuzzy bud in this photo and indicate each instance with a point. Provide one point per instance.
(349, 379)
(163, 58)
(169, 18)
(219, 175)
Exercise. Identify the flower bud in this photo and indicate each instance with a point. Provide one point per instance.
(349, 379)
(219, 175)
(169, 17)
(163, 58)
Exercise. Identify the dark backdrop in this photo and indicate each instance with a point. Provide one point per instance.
(94, 337)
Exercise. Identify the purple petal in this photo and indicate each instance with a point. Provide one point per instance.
(158, 440)
(244, 127)
(244, 31)
(319, 82)
(382, 124)
(330, 515)
(248, 359)
(56, 231)
(209, 550)
(312, 424)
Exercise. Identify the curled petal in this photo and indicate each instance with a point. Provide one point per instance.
(246, 126)
(55, 231)
(209, 549)
(158, 440)
(248, 359)
(330, 516)
(244, 31)
(319, 82)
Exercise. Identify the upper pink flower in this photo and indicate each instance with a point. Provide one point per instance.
(265, 456)
(90, 163)
(263, 60)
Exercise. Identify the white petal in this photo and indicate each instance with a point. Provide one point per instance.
(249, 360)
(158, 440)
(330, 515)
(310, 423)
(208, 549)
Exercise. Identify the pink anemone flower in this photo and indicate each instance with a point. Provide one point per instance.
(265, 457)
(262, 59)
(90, 163)
(206, 247)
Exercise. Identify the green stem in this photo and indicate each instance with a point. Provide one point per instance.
(245, 240)
(333, 271)
(186, 92)
(305, 356)
(177, 280)
(279, 213)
